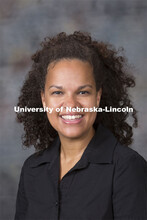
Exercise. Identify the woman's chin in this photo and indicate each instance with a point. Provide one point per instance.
(71, 134)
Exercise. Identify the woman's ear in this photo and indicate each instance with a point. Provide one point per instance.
(99, 93)
(43, 99)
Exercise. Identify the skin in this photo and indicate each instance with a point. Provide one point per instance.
(70, 83)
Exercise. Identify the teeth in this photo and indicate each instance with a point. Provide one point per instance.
(71, 117)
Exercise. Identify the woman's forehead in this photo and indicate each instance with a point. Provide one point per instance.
(68, 62)
(74, 69)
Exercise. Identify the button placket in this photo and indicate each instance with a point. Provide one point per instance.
(66, 184)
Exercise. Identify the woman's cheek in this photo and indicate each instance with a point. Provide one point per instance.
(53, 103)
(89, 103)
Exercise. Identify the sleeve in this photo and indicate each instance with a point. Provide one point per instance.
(21, 201)
(130, 189)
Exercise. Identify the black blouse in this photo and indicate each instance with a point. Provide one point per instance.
(108, 182)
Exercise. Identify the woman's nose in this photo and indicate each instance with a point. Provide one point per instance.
(70, 101)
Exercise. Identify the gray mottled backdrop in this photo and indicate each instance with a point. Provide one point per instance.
(23, 24)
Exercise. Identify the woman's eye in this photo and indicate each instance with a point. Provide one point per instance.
(56, 93)
(84, 92)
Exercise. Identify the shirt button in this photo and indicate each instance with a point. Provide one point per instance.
(56, 203)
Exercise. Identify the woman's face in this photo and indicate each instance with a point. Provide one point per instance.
(70, 83)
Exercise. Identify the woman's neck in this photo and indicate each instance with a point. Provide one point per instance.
(72, 148)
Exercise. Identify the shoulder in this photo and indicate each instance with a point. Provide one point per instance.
(129, 183)
(33, 158)
(123, 154)
(46, 155)
(129, 165)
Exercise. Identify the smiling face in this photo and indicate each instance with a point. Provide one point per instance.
(70, 83)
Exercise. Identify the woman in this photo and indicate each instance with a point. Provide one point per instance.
(83, 167)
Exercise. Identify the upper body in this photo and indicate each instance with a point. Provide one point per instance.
(108, 182)
(80, 173)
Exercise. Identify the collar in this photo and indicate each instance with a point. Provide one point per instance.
(99, 150)
(47, 155)
(101, 147)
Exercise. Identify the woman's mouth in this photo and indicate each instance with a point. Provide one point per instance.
(72, 119)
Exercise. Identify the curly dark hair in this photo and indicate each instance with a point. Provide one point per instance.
(110, 71)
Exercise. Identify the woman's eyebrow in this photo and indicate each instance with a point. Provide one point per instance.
(87, 85)
(57, 87)
(80, 87)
